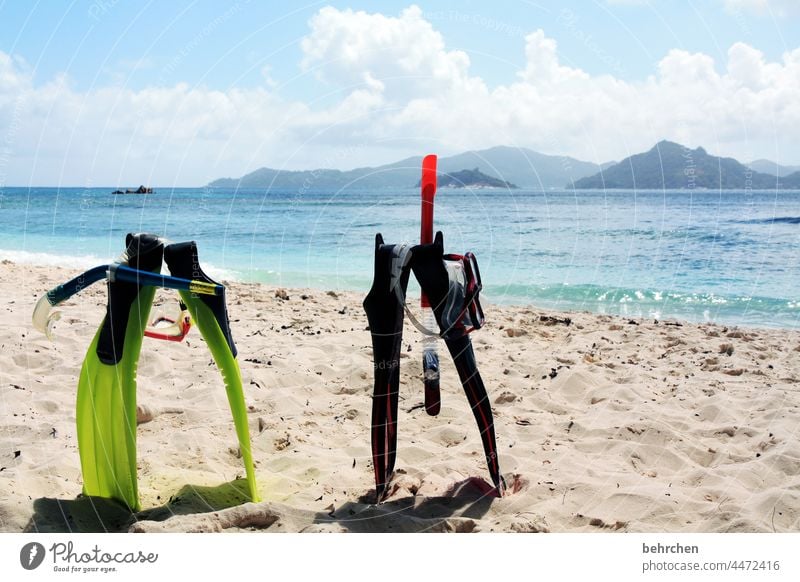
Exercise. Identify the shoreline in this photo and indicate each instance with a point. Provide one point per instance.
(602, 424)
(225, 275)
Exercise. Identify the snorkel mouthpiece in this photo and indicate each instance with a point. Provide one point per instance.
(43, 319)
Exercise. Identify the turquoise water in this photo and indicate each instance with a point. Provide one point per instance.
(730, 257)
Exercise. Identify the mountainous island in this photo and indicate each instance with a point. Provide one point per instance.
(470, 179)
(771, 168)
(520, 166)
(669, 165)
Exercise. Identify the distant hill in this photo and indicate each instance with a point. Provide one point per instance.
(673, 166)
(771, 168)
(523, 167)
(469, 179)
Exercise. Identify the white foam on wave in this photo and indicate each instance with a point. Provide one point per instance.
(52, 259)
(219, 273)
(84, 262)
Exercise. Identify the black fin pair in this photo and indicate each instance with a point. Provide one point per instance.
(384, 307)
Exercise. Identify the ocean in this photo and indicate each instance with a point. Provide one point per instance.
(730, 257)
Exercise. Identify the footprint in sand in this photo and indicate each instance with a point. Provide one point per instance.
(35, 360)
(48, 405)
(506, 398)
(449, 437)
(528, 523)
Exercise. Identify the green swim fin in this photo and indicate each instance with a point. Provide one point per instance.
(106, 402)
(210, 315)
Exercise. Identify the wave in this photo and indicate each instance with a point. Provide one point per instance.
(773, 220)
(83, 262)
(220, 273)
(52, 259)
(651, 303)
(599, 293)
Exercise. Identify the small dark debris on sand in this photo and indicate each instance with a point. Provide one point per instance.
(553, 320)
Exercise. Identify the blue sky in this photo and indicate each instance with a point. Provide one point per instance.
(99, 42)
(131, 70)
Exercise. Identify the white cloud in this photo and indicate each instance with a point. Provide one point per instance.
(542, 65)
(394, 89)
(116, 135)
(737, 107)
(14, 76)
(408, 55)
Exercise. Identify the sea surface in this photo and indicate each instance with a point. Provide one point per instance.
(731, 257)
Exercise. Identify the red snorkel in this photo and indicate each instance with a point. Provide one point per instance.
(430, 359)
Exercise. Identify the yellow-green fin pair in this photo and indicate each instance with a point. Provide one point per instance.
(106, 402)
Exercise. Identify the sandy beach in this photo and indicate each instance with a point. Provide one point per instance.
(604, 424)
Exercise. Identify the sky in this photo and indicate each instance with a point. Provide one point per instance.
(120, 93)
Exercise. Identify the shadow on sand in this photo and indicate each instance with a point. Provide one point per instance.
(460, 509)
(98, 514)
(457, 510)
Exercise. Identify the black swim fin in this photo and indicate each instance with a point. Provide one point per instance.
(429, 269)
(385, 315)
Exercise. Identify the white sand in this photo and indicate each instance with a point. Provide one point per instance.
(644, 427)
